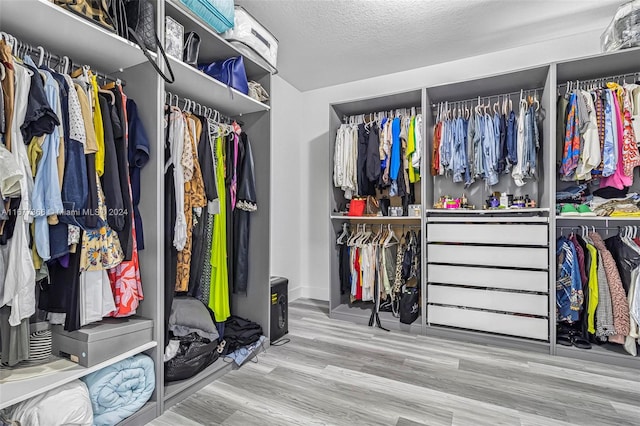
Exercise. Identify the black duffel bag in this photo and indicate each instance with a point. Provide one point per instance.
(194, 355)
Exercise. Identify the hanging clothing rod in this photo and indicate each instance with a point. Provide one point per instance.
(596, 228)
(20, 49)
(601, 80)
(384, 225)
(203, 110)
(589, 228)
(391, 112)
(488, 98)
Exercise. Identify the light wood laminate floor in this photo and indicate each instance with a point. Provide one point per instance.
(338, 373)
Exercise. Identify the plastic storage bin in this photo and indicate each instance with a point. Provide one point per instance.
(218, 14)
(248, 31)
(100, 341)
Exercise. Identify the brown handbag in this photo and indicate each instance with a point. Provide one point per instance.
(373, 206)
(92, 10)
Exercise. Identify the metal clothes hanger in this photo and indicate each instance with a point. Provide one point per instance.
(345, 228)
(41, 57)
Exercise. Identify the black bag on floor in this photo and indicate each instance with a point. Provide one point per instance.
(195, 354)
(409, 305)
(240, 332)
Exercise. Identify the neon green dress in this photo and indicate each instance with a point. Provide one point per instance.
(219, 289)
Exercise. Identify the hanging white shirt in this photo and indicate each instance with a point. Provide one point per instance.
(518, 169)
(177, 127)
(20, 276)
(96, 296)
(417, 153)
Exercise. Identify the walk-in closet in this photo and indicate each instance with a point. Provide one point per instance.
(346, 212)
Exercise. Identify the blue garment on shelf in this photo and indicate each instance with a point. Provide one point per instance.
(569, 294)
(396, 159)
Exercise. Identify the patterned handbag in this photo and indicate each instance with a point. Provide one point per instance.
(92, 10)
(142, 31)
(373, 207)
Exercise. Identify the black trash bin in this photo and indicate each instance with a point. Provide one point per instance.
(279, 308)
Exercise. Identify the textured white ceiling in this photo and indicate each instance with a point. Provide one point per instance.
(328, 42)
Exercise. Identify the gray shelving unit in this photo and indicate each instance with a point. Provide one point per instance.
(462, 300)
(594, 67)
(340, 307)
(121, 58)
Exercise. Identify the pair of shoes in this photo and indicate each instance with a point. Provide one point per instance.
(572, 210)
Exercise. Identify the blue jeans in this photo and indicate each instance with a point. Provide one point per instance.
(571, 193)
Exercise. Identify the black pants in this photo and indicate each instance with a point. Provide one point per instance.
(170, 252)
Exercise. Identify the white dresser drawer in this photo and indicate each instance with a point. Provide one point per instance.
(511, 279)
(514, 257)
(534, 328)
(516, 234)
(520, 303)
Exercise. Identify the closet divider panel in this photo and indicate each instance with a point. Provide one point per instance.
(546, 158)
(549, 125)
(334, 226)
(144, 86)
(426, 187)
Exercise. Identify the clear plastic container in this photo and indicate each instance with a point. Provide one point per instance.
(624, 30)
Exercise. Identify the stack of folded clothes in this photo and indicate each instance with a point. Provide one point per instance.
(628, 205)
(577, 200)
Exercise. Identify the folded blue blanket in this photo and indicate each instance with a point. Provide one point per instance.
(121, 389)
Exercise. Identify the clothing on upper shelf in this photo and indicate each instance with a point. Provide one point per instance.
(382, 153)
(210, 183)
(477, 145)
(597, 290)
(598, 139)
(65, 179)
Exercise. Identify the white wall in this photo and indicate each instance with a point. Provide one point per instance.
(313, 144)
(286, 220)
